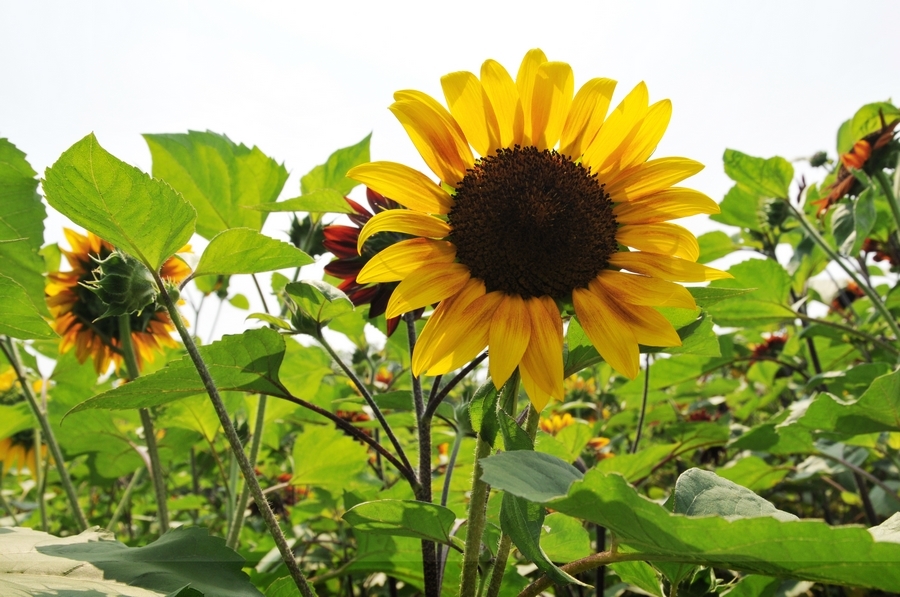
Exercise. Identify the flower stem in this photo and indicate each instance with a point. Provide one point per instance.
(640, 425)
(234, 532)
(11, 351)
(873, 296)
(477, 516)
(237, 449)
(159, 482)
(126, 498)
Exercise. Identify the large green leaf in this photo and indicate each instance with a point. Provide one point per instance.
(702, 493)
(246, 362)
(325, 457)
(767, 178)
(866, 120)
(740, 208)
(535, 476)
(333, 173)
(318, 201)
(93, 563)
(714, 245)
(878, 409)
(403, 518)
(21, 224)
(19, 316)
(564, 539)
(220, 178)
(246, 251)
(766, 303)
(142, 216)
(803, 549)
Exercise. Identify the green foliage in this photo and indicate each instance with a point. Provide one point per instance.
(403, 518)
(245, 251)
(766, 178)
(19, 316)
(333, 173)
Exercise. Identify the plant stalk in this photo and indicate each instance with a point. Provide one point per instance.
(126, 498)
(235, 442)
(234, 532)
(477, 517)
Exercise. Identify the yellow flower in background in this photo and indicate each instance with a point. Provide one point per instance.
(537, 223)
(556, 422)
(17, 452)
(76, 309)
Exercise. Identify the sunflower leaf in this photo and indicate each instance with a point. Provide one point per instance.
(764, 177)
(403, 518)
(19, 318)
(139, 215)
(333, 173)
(21, 224)
(221, 179)
(246, 251)
(318, 201)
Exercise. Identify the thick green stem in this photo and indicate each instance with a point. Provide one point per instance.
(873, 296)
(235, 442)
(159, 482)
(234, 532)
(468, 584)
(10, 349)
(126, 498)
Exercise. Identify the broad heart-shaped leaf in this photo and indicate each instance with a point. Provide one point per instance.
(702, 493)
(403, 518)
(318, 201)
(140, 215)
(245, 362)
(325, 457)
(878, 409)
(740, 208)
(803, 549)
(21, 224)
(333, 173)
(767, 178)
(535, 476)
(220, 178)
(766, 304)
(19, 317)
(93, 563)
(246, 251)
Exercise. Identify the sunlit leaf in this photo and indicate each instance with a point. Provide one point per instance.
(765, 177)
(333, 173)
(19, 317)
(318, 201)
(245, 251)
(403, 518)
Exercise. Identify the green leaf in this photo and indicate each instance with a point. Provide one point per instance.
(483, 412)
(843, 228)
(878, 409)
(326, 457)
(21, 224)
(219, 178)
(318, 301)
(318, 201)
(546, 476)
(804, 549)
(142, 216)
(15, 418)
(333, 173)
(697, 338)
(866, 120)
(740, 208)
(640, 574)
(714, 245)
(754, 473)
(864, 217)
(702, 493)
(767, 178)
(564, 539)
(239, 301)
(246, 251)
(767, 302)
(19, 317)
(403, 518)
(247, 362)
(706, 296)
(93, 563)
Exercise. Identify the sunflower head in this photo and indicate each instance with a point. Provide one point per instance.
(540, 195)
(80, 301)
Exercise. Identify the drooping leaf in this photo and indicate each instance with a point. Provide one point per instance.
(333, 173)
(21, 224)
(549, 476)
(764, 177)
(140, 215)
(403, 518)
(564, 539)
(245, 251)
(35, 563)
(220, 178)
(247, 362)
(19, 317)
(318, 201)
(702, 493)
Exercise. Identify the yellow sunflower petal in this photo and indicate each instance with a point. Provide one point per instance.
(663, 238)
(550, 102)
(607, 330)
(648, 136)
(586, 116)
(648, 325)
(440, 145)
(641, 290)
(403, 258)
(667, 268)
(525, 84)
(504, 96)
(539, 398)
(465, 335)
(651, 177)
(429, 285)
(510, 333)
(610, 142)
(434, 330)
(403, 221)
(670, 204)
(472, 109)
(408, 187)
(543, 358)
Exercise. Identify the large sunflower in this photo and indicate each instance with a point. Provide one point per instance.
(538, 225)
(76, 309)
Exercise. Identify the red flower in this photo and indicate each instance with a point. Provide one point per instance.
(342, 242)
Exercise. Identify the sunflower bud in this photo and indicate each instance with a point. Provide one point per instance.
(123, 284)
(775, 212)
(820, 158)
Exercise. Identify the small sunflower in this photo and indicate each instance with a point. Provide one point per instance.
(76, 309)
(536, 226)
(17, 452)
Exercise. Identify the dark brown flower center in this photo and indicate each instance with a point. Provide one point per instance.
(532, 223)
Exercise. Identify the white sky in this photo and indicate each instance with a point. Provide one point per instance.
(299, 81)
